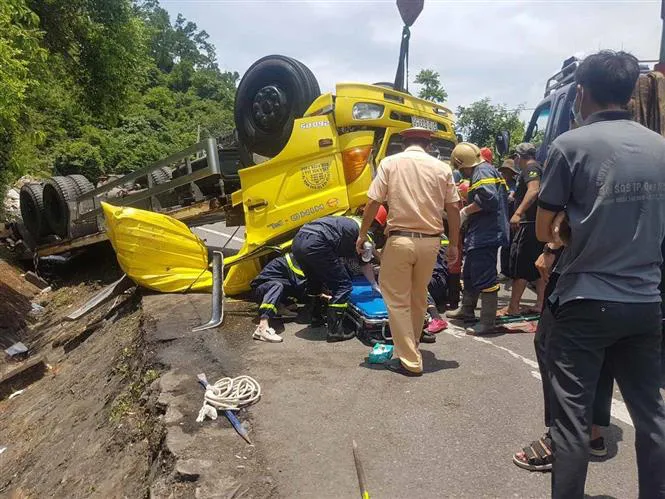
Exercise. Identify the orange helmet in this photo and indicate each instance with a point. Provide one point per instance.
(381, 215)
(486, 154)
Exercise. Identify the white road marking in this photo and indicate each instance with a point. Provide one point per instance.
(239, 239)
(619, 409)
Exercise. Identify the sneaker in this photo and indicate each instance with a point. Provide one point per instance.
(598, 448)
(436, 326)
(268, 335)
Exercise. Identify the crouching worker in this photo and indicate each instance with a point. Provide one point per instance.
(319, 247)
(437, 289)
(486, 219)
(280, 280)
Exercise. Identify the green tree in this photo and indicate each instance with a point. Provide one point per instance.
(103, 86)
(481, 121)
(431, 88)
(20, 57)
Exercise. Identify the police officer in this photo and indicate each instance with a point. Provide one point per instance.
(281, 279)
(486, 217)
(318, 247)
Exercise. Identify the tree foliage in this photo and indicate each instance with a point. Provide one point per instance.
(103, 86)
(481, 121)
(431, 88)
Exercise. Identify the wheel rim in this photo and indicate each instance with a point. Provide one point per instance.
(269, 109)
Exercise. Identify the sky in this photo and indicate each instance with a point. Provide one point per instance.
(504, 50)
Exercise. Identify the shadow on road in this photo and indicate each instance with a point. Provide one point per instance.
(312, 334)
(613, 435)
(430, 364)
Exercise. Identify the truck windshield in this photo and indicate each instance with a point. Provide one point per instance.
(538, 124)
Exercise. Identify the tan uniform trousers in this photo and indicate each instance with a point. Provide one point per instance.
(406, 269)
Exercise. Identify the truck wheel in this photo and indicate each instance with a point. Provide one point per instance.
(273, 93)
(31, 201)
(82, 184)
(57, 192)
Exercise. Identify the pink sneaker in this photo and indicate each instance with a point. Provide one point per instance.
(436, 326)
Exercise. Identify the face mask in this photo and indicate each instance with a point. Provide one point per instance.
(577, 113)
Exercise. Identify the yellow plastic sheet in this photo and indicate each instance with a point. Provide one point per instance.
(157, 251)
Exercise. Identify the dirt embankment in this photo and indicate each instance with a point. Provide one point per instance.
(88, 427)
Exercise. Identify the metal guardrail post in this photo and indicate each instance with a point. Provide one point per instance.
(217, 293)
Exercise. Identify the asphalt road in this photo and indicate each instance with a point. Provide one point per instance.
(450, 433)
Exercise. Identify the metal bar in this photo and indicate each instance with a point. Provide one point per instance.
(360, 471)
(179, 156)
(146, 193)
(217, 293)
(110, 291)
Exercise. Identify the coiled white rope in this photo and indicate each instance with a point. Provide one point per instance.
(229, 394)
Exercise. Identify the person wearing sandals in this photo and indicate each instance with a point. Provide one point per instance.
(604, 184)
(538, 456)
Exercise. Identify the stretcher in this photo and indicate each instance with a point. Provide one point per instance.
(367, 314)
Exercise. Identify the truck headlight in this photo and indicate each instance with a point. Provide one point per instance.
(367, 111)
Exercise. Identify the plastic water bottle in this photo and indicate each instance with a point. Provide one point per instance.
(368, 252)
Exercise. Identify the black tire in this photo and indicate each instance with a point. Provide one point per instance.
(82, 184)
(273, 93)
(57, 192)
(31, 201)
(160, 176)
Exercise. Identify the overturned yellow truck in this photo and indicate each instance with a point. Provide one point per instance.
(295, 155)
(326, 166)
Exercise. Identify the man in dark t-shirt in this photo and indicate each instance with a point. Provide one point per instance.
(525, 247)
(607, 177)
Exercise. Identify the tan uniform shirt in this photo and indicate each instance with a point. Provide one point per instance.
(416, 187)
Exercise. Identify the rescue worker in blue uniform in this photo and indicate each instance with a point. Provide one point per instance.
(280, 280)
(487, 228)
(318, 247)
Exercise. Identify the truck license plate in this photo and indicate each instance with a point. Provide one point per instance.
(424, 123)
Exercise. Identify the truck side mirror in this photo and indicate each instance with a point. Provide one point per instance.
(502, 142)
(410, 10)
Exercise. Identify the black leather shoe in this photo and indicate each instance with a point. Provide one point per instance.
(427, 338)
(396, 366)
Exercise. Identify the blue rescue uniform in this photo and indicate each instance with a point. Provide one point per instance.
(318, 247)
(279, 280)
(438, 285)
(486, 230)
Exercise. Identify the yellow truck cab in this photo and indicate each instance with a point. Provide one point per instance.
(326, 166)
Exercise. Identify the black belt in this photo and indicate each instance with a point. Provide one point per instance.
(414, 235)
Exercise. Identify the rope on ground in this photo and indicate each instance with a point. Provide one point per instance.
(229, 394)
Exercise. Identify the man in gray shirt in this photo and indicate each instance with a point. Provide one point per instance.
(608, 176)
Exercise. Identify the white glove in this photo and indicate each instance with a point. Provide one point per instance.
(463, 216)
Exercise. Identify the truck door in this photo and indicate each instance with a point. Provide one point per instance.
(304, 182)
